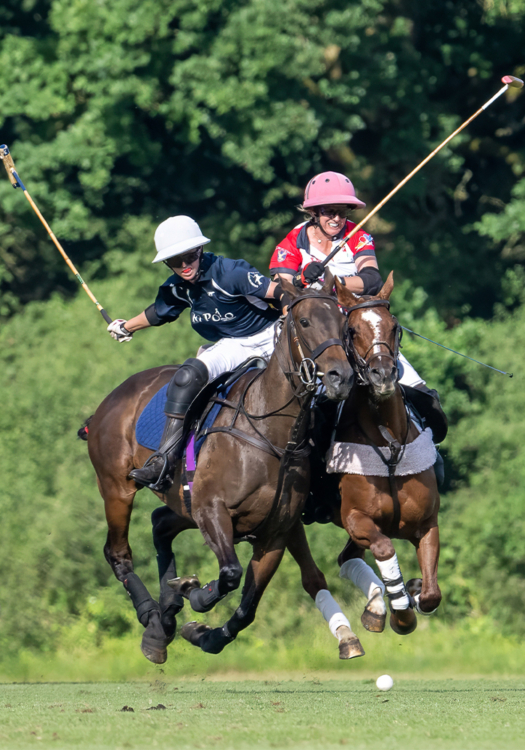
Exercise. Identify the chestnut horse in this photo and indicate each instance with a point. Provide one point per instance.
(376, 509)
(251, 479)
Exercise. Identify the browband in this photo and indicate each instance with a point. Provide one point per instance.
(370, 303)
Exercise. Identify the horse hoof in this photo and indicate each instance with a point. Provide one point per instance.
(193, 632)
(349, 645)
(405, 627)
(372, 622)
(414, 587)
(184, 585)
(154, 650)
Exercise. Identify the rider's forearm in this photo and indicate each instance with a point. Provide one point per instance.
(136, 323)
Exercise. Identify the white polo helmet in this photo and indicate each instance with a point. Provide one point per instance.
(177, 235)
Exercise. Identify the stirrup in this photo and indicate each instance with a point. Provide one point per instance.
(163, 481)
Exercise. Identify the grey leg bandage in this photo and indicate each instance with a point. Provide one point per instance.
(363, 576)
(331, 611)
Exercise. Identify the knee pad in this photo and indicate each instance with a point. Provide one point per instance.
(189, 379)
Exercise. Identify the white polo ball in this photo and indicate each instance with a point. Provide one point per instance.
(385, 682)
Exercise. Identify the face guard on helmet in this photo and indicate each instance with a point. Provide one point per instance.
(330, 188)
(176, 236)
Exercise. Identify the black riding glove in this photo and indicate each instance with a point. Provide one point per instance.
(312, 272)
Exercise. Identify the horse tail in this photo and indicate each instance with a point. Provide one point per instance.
(84, 430)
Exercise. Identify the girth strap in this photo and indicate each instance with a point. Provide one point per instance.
(272, 450)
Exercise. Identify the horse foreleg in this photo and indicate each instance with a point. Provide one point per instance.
(354, 567)
(217, 530)
(366, 534)
(118, 504)
(165, 526)
(314, 583)
(262, 566)
(427, 594)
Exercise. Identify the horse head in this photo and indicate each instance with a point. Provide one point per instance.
(373, 338)
(314, 328)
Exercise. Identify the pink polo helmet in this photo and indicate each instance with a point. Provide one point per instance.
(330, 188)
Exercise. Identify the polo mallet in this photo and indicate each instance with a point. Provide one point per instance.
(509, 81)
(16, 182)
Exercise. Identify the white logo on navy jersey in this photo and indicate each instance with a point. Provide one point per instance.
(255, 278)
(215, 317)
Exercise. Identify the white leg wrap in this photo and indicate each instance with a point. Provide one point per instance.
(363, 576)
(391, 573)
(331, 611)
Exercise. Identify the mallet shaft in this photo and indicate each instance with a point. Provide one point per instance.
(507, 80)
(17, 182)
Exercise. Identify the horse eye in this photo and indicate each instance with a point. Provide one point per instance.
(304, 322)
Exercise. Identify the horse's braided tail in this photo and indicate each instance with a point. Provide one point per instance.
(84, 430)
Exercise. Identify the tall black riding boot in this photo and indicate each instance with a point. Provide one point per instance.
(188, 381)
(427, 404)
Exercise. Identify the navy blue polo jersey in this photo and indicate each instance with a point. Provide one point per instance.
(227, 300)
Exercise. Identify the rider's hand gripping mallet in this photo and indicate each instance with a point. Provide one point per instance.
(509, 81)
(17, 182)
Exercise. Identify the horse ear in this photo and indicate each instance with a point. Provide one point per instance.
(388, 287)
(344, 296)
(287, 287)
(328, 285)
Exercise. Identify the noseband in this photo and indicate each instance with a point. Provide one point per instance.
(361, 364)
(307, 371)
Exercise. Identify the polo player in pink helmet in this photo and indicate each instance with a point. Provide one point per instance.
(329, 198)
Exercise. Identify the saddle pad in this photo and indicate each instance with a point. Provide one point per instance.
(150, 424)
(355, 458)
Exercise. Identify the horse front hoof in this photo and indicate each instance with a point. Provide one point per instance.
(184, 585)
(372, 622)
(349, 644)
(414, 587)
(154, 650)
(193, 632)
(403, 621)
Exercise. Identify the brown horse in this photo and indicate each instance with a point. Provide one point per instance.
(251, 479)
(376, 509)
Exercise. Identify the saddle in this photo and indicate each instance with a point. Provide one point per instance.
(150, 424)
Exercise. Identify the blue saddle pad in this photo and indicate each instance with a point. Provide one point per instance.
(150, 424)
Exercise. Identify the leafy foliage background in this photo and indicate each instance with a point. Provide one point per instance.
(121, 114)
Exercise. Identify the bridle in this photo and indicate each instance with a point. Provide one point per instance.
(361, 363)
(307, 371)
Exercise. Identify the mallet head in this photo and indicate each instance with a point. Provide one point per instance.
(512, 82)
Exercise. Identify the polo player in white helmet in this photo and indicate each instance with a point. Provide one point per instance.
(226, 299)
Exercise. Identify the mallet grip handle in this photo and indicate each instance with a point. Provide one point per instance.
(9, 165)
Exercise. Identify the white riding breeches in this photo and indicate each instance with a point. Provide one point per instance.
(407, 374)
(226, 354)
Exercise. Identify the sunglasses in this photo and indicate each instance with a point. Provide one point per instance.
(332, 211)
(187, 258)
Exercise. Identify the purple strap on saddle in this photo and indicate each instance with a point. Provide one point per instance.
(190, 456)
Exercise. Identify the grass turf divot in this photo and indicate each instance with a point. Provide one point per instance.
(307, 714)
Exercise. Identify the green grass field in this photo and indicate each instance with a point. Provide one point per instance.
(307, 713)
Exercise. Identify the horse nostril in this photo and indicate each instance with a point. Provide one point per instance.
(334, 377)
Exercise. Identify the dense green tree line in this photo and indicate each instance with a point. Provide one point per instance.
(120, 114)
